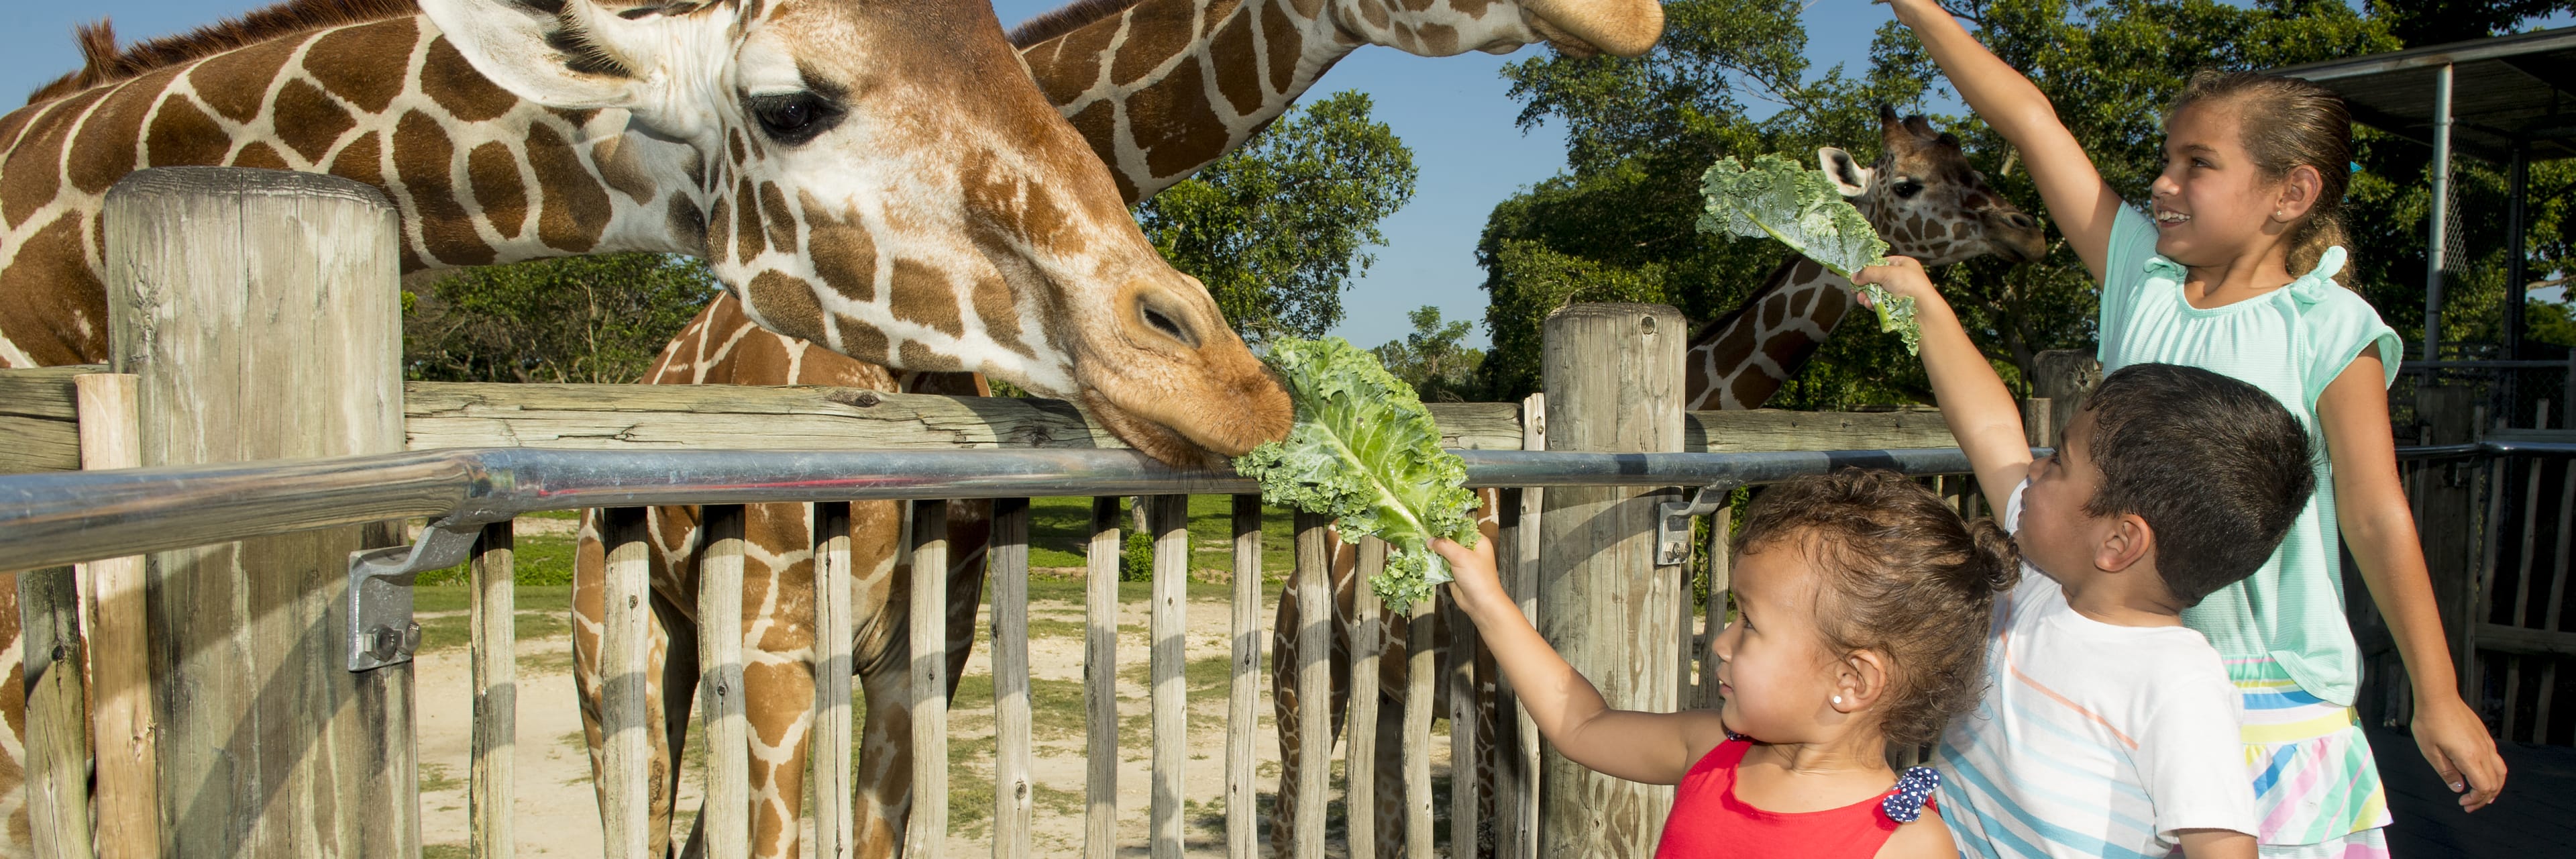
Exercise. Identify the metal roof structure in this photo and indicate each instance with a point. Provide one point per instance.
(2509, 100)
(2508, 93)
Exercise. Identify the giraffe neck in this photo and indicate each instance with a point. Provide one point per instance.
(1164, 87)
(480, 176)
(1742, 358)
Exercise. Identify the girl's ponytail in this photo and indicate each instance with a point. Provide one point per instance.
(2287, 123)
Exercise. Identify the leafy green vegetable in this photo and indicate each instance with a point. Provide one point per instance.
(1896, 314)
(1365, 452)
(1800, 207)
(1803, 209)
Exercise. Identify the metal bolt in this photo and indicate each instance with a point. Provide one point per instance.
(382, 643)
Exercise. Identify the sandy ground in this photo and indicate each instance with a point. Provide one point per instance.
(557, 812)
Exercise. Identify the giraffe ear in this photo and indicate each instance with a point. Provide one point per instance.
(552, 56)
(1851, 178)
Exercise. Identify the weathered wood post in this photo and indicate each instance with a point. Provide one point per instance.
(1614, 383)
(260, 310)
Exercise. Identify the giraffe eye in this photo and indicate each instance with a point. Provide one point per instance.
(794, 117)
(1907, 188)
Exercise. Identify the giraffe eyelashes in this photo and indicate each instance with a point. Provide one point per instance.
(793, 117)
(1907, 188)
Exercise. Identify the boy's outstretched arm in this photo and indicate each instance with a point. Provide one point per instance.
(1981, 414)
(2078, 200)
(1652, 748)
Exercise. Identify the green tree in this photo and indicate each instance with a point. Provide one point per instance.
(1434, 358)
(579, 319)
(1276, 229)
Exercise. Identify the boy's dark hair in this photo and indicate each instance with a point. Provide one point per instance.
(2218, 468)
(1903, 576)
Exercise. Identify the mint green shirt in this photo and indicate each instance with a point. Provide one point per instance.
(2290, 342)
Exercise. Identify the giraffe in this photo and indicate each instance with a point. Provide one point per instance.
(1132, 75)
(1926, 200)
(882, 179)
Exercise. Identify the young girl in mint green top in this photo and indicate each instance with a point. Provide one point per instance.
(2234, 268)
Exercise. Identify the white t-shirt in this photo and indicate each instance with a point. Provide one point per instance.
(2091, 739)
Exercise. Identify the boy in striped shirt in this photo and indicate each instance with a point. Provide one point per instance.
(2107, 728)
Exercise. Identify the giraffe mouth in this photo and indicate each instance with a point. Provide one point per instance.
(1163, 443)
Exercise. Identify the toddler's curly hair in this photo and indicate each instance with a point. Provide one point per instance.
(1904, 576)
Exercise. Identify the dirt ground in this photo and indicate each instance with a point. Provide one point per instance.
(557, 812)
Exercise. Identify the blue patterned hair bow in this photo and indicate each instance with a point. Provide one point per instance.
(1905, 805)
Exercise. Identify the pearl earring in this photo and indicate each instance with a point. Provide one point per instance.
(1838, 699)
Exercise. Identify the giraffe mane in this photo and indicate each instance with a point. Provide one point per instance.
(104, 63)
(1068, 18)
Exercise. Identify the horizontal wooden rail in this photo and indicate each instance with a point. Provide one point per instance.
(2515, 639)
(38, 417)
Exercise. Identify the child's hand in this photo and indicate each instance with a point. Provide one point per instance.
(1476, 584)
(1902, 277)
(1906, 9)
(2457, 745)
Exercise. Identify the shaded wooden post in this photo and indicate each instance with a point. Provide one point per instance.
(260, 310)
(1516, 756)
(125, 797)
(1613, 374)
(2448, 505)
(1312, 589)
(2066, 376)
(1169, 517)
(492, 648)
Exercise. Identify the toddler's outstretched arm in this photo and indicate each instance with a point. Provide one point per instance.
(2078, 200)
(1653, 748)
(1981, 414)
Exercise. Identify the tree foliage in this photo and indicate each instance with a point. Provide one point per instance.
(1730, 78)
(1434, 359)
(579, 319)
(1277, 228)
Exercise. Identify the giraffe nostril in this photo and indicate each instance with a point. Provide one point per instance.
(2021, 220)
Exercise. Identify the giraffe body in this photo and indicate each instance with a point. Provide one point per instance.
(1132, 75)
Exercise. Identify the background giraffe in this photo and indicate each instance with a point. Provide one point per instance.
(1133, 76)
(506, 130)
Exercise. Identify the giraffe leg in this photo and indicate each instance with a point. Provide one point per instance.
(1284, 658)
(590, 571)
(1394, 690)
(881, 651)
(778, 669)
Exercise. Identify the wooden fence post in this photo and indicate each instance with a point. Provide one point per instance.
(1614, 383)
(2447, 503)
(261, 312)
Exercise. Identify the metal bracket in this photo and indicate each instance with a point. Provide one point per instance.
(381, 629)
(1673, 521)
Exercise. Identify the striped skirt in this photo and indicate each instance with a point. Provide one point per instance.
(2316, 787)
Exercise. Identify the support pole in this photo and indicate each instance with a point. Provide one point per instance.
(1613, 374)
(2516, 267)
(2435, 255)
(260, 310)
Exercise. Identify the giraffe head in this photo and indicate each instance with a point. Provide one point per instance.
(883, 178)
(1927, 201)
(1439, 28)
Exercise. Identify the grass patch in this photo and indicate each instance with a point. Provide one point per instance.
(536, 559)
(436, 777)
(444, 851)
(1060, 529)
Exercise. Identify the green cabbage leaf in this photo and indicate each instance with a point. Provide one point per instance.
(1896, 314)
(1804, 209)
(1365, 452)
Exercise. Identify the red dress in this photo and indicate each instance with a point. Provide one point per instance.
(1709, 821)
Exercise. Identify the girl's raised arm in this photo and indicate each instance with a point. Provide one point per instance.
(2078, 200)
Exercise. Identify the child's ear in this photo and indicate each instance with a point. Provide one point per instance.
(1861, 681)
(2299, 192)
(2129, 541)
